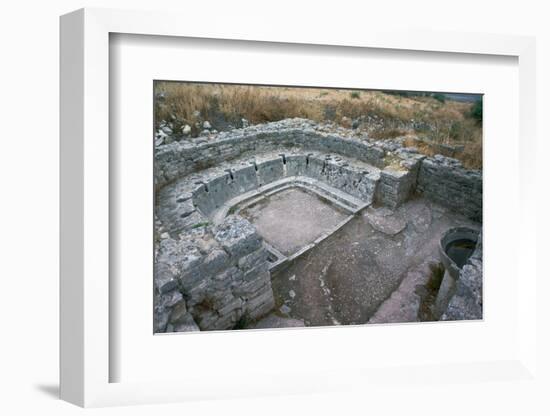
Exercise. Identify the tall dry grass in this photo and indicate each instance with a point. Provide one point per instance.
(230, 102)
(388, 115)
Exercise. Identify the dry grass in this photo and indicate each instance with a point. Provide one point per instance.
(214, 101)
(422, 147)
(388, 115)
(384, 134)
(472, 157)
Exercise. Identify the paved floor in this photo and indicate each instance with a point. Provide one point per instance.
(345, 279)
(293, 218)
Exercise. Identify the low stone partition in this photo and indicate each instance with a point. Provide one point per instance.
(445, 181)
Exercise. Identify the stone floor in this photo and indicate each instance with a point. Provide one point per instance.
(347, 277)
(293, 218)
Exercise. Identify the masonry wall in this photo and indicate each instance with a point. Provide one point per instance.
(215, 191)
(210, 279)
(179, 159)
(446, 182)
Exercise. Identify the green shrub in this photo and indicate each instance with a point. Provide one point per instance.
(355, 94)
(439, 97)
(477, 111)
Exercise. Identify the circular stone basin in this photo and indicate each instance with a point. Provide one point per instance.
(455, 248)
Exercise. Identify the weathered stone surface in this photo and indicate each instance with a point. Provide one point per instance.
(247, 288)
(404, 303)
(224, 146)
(170, 299)
(396, 186)
(253, 259)
(421, 216)
(446, 182)
(174, 259)
(212, 263)
(210, 278)
(186, 323)
(234, 304)
(237, 236)
(161, 316)
(261, 302)
(387, 224)
(270, 170)
(274, 321)
(179, 312)
(467, 303)
(444, 294)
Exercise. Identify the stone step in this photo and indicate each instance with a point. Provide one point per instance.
(336, 196)
(330, 194)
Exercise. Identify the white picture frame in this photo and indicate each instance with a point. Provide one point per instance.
(85, 211)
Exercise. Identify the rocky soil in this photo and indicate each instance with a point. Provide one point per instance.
(354, 276)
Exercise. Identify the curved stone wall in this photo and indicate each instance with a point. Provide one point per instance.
(217, 190)
(211, 270)
(467, 301)
(176, 160)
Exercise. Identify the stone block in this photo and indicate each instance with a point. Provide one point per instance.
(261, 304)
(253, 259)
(188, 324)
(245, 179)
(170, 299)
(269, 171)
(205, 318)
(179, 313)
(231, 306)
(259, 270)
(224, 322)
(165, 278)
(295, 165)
(237, 236)
(248, 288)
(446, 182)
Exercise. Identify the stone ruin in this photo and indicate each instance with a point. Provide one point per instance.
(212, 267)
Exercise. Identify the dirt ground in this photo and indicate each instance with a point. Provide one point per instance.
(347, 277)
(291, 219)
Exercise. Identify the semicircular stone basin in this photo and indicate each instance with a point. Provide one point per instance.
(455, 248)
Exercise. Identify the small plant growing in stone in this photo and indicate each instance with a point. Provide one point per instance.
(243, 322)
